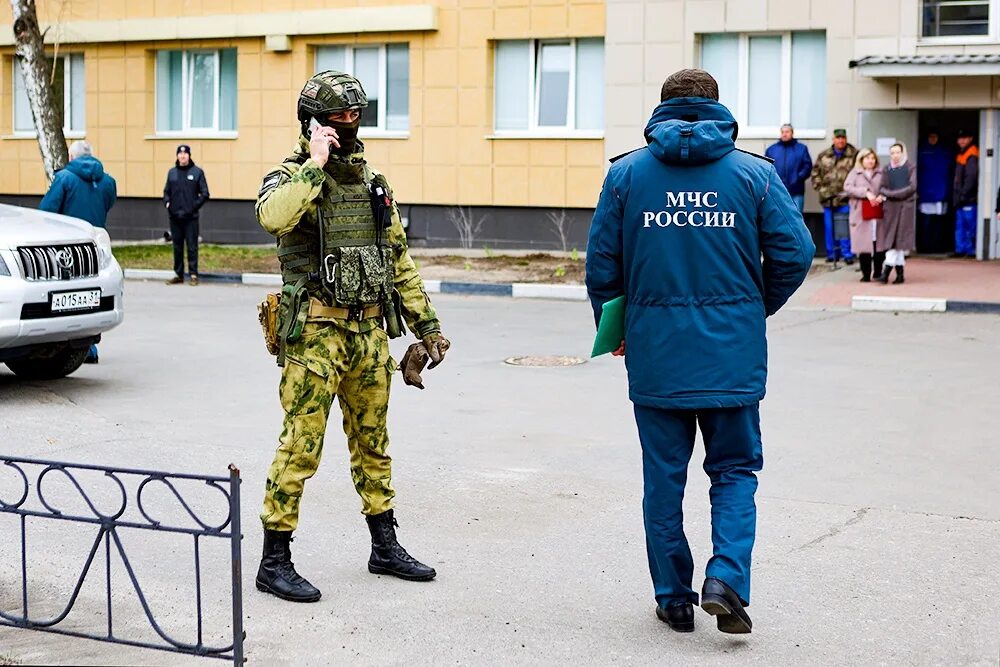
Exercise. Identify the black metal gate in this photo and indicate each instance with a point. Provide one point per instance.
(31, 506)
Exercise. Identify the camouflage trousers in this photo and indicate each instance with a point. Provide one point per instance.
(356, 368)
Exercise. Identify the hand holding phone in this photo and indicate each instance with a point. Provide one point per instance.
(322, 140)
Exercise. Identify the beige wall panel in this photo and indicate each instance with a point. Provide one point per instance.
(705, 16)
(377, 153)
(547, 186)
(510, 185)
(585, 153)
(627, 105)
(475, 24)
(788, 14)
(661, 60)
(440, 107)
(110, 75)
(441, 67)
(440, 145)
(664, 21)
(875, 94)
(746, 15)
(839, 54)
(586, 20)
(406, 152)
(474, 149)
(511, 22)
(875, 46)
(137, 149)
(921, 92)
(11, 170)
(967, 91)
(840, 108)
(547, 153)
(909, 19)
(583, 186)
(32, 178)
(111, 109)
(276, 145)
(837, 18)
(549, 21)
(247, 151)
(474, 109)
(475, 186)
(135, 71)
(877, 19)
(627, 23)
(624, 63)
(510, 151)
(441, 185)
(245, 183)
(406, 182)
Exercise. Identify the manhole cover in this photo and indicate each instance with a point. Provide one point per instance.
(545, 362)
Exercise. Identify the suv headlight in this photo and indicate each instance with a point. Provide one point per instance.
(103, 241)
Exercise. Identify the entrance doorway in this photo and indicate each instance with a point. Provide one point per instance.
(936, 233)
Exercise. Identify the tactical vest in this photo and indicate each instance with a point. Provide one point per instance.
(339, 249)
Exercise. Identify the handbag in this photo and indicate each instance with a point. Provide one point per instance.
(870, 211)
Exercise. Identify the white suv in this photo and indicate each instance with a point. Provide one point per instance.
(60, 289)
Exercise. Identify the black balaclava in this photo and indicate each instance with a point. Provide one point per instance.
(347, 135)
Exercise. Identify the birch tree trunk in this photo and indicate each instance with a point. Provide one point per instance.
(37, 71)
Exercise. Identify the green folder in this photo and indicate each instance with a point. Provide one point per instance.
(611, 330)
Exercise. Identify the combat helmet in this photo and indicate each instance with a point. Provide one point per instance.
(327, 92)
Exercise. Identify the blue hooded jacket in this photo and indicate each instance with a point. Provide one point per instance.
(793, 164)
(83, 191)
(681, 229)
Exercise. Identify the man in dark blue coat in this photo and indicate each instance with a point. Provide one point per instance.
(933, 191)
(84, 191)
(793, 164)
(680, 230)
(184, 193)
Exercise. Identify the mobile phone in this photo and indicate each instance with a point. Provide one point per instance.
(313, 124)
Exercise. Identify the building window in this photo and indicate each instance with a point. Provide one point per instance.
(770, 79)
(956, 18)
(384, 72)
(549, 86)
(68, 86)
(196, 91)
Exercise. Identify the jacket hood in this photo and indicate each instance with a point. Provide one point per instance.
(87, 167)
(691, 130)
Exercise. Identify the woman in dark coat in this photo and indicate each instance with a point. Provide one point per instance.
(896, 233)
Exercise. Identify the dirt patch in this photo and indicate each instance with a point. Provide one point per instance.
(536, 268)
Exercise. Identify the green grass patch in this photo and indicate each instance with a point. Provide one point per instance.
(211, 258)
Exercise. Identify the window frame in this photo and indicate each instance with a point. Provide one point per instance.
(186, 88)
(742, 114)
(991, 37)
(68, 132)
(534, 130)
(379, 131)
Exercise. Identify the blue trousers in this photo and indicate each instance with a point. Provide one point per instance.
(833, 245)
(965, 230)
(732, 457)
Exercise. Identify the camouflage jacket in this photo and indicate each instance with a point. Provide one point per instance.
(288, 197)
(829, 173)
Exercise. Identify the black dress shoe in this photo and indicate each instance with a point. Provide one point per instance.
(680, 617)
(721, 601)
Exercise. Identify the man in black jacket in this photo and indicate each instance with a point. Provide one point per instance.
(184, 194)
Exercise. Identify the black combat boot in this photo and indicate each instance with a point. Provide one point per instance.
(388, 557)
(277, 574)
(899, 275)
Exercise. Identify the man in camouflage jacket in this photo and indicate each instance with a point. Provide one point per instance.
(829, 172)
(346, 271)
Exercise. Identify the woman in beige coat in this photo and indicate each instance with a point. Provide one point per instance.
(864, 183)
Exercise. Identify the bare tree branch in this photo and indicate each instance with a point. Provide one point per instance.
(36, 69)
(560, 226)
(467, 225)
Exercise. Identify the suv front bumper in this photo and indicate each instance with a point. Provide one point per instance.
(24, 308)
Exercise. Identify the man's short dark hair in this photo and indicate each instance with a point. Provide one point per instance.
(690, 83)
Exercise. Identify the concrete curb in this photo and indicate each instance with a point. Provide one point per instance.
(898, 304)
(516, 290)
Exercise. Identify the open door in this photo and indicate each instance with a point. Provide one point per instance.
(881, 129)
(988, 227)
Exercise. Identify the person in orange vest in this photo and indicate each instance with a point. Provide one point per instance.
(966, 195)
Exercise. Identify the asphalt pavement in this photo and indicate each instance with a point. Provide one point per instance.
(879, 508)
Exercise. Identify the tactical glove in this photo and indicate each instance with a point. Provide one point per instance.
(414, 361)
(436, 346)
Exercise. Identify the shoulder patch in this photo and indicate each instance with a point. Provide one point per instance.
(619, 157)
(759, 157)
(271, 181)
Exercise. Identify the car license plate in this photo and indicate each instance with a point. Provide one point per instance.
(70, 301)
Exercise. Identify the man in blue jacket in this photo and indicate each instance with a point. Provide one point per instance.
(793, 164)
(84, 191)
(681, 229)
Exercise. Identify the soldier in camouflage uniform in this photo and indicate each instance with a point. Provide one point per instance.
(348, 284)
(828, 175)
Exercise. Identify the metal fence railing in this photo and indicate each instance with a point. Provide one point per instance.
(132, 510)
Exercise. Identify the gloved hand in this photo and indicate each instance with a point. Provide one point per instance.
(413, 363)
(437, 346)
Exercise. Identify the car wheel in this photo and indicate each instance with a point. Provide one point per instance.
(59, 365)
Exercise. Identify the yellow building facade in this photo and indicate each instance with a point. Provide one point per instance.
(223, 76)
